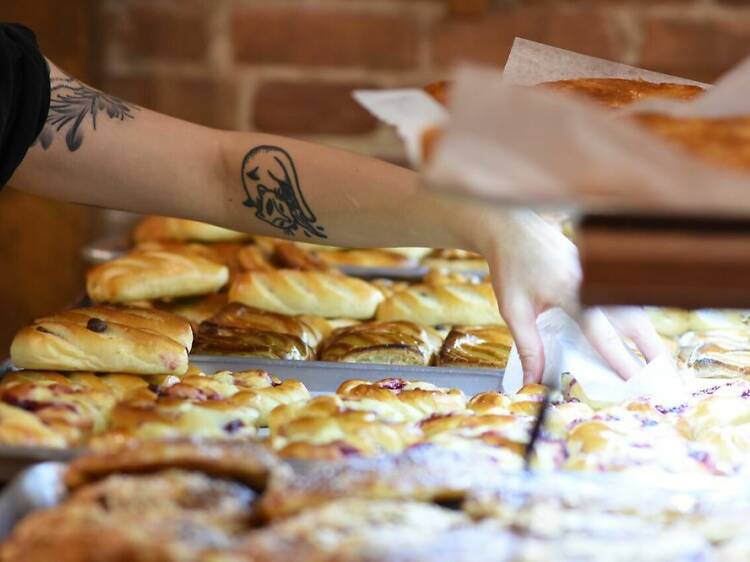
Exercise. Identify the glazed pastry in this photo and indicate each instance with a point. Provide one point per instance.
(401, 400)
(722, 361)
(254, 258)
(22, 428)
(195, 310)
(81, 341)
(237, 341)
(309, 329)
(451, 260)
(182, 230)
(317, 407)
(619, 92)
(430, 305)
(292, 256)
(374, 257)
(361, 431)
(306, 292)
(264, 392)
(390, 343)
(490, 402)
(155, 274)
(484, 347)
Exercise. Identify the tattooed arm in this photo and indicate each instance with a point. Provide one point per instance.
(98, 150)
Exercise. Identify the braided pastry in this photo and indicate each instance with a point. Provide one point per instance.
(155, 274)
(306, 292)
(83, 340)
(391, 343)
(292, 256)
(373, 257)
(195, 310)
(182, 230)
(401, 400)
(270, 345)
(254, 258)
(432, 305)
(483, 347)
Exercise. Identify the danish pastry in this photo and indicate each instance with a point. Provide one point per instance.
(390, 343)
(155, 274)
(306, 292)
(432, 305)
(484, 346)
(182, 230)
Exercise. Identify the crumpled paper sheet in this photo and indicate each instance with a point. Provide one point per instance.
(568, 351)
(521, 146)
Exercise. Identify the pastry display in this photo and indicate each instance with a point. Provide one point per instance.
(482, 346)
(155, 274)
(306, 292)
(432, 305)
(390, 343)
(105, 339)
(182, 230)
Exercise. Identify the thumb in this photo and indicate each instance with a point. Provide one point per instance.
(521, 319)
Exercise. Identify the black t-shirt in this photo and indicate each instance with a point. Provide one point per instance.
(24, 95)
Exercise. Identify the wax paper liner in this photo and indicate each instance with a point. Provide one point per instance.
(567, 351)
(526, 146)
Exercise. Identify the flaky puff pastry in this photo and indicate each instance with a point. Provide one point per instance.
(306, 292)
(619, 92)
(82, 341)
(401, 400)
(390, 343)
(432, 305)
(182, 230)
(155, 274)
(478, 346)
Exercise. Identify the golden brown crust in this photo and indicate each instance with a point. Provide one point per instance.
(374, 257)
(22, 428)
(619, 92)
(182, 230)
(292, 256)
(236, 341)
(254, 258)
(432, 305)
(67, 343)
(724, 142)
(243, 461)
(155, 274)
(401, 400)
(392, 343)
(195, 310)
(439, 90)
(306, 292)
(482, 347)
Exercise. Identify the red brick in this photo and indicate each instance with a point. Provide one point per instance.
(159, 31)
(702, 49)
(310, 108)
(488, 40)
(317, 36)
(201, 100)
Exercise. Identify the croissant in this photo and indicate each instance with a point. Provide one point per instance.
(306, 292)
(155, 274)
(432, 305)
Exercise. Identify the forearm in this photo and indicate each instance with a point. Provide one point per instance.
(98, 150)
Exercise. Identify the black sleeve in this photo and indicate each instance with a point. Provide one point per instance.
(24, 95)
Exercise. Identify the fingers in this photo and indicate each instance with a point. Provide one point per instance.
(607, 342)
(521, 318)
(634, 323)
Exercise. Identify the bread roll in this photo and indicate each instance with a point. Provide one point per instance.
(155, 274)
(182, 230)
(390, 343)
(443, 304)
(66, 343)
(480, 346)
(306, 292)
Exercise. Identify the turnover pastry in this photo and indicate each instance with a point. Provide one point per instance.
(390, 343)
(306, 292)
(480, 346)
(81, 340)
(433, 305)
(182, 230)
(155, 274)
(401, 400)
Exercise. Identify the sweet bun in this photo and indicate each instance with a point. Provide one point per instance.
(155, 274)
(67, 343)
(306, 292)
(432, 305)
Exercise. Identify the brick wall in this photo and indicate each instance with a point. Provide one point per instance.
(288, 66)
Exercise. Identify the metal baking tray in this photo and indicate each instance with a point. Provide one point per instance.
(325, 376)
(108, 248)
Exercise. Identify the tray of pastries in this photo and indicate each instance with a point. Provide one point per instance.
(257, 252)
(217, 501)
